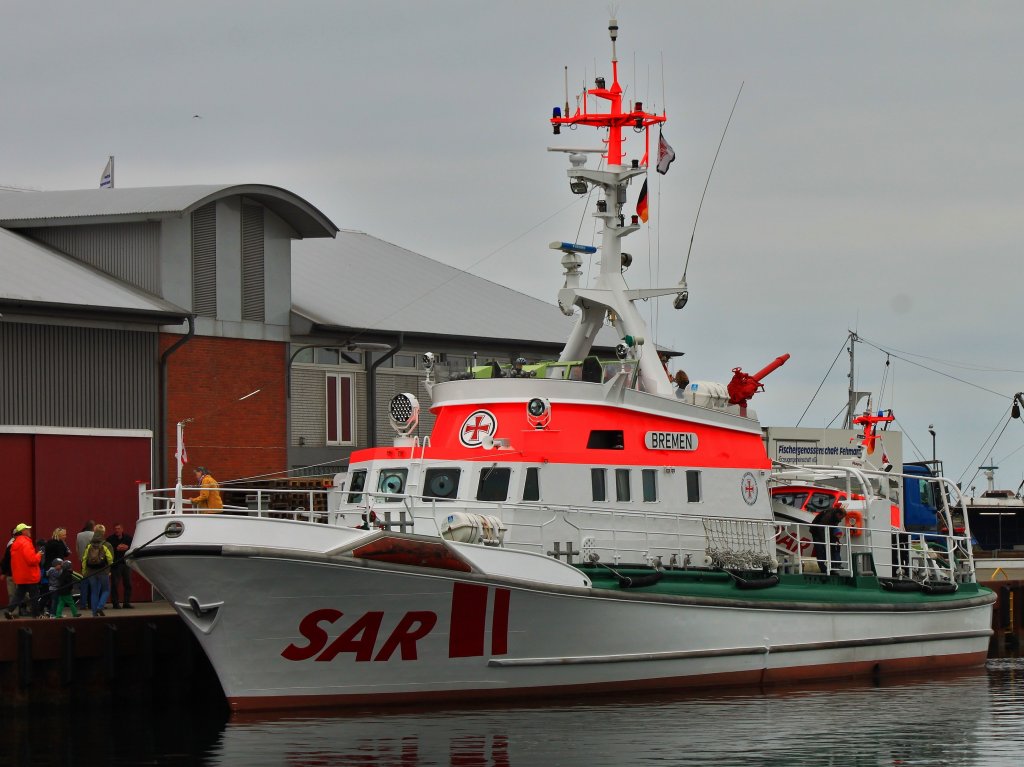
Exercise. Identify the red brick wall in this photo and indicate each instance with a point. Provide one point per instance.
(234, 439)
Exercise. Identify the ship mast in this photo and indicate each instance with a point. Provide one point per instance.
(609, 298)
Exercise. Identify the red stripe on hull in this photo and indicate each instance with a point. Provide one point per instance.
(468, 621)
(741, 679)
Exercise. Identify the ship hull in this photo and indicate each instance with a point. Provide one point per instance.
(293, 630)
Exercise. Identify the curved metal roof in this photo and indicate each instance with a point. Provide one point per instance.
(95, 206)
(360, 282)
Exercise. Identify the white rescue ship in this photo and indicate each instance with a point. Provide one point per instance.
(577, 526)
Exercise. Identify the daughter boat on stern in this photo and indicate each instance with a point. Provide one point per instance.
(568, 527)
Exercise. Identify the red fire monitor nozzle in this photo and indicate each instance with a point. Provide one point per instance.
(743, 386)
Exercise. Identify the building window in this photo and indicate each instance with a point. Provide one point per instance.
(693, 486)
(340, 407)
(252, 264)
(407, 361)
(622, 485)
(531, 488)
(650, 482)
(493, 484)
(327, 356)
(204, 260)
(597, 485)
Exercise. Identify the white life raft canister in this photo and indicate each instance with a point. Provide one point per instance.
(465, 527)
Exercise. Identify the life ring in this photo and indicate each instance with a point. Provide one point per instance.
(855, 521)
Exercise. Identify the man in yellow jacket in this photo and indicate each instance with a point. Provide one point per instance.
(208, 501)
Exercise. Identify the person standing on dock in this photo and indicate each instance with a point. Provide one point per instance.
(25, 567)
(208, 501)
(95, 583)
(83, 538)
(120, 542)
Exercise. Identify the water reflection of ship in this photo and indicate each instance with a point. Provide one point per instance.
(997, 524)
(946, 712)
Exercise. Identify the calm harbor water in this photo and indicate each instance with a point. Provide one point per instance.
(974, 718)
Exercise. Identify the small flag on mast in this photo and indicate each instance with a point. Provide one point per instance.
(641, 203)
(666, 154)
(107, 179)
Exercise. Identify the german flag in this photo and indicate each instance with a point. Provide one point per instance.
(641, 203)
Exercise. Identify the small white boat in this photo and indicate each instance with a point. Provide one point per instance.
(575, 526)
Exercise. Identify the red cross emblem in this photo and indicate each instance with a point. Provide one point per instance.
(748, 487)
(480, 423)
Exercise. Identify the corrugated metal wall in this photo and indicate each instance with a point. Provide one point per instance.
(204, 260)
(130, 251)
(85, 377)
(253, 305)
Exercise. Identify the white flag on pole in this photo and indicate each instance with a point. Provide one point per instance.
(107, 179)
(666, 154)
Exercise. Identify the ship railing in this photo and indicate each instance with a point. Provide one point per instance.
(300, 504)
(890, 553)
(575, 533)
(939, 556)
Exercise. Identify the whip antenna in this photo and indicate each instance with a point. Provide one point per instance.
(681, 298)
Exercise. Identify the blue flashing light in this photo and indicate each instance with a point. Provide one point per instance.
(572, 247)
(556, 112)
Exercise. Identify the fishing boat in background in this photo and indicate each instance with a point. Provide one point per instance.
(997, 525)
(574, 526)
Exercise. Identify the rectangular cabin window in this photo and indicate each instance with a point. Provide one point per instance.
(693, 486)
(605, 439)
(441, 483)
(531, 488)
(391, 482)
(622, 485)
(597, 485)
(493, 484)
(356, 485)
(650, 482)
(339, 407)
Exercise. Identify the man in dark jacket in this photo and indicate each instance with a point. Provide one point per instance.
(25, 561)
(120, 573)
(825, 527)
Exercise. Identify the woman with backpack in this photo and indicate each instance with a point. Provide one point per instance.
(96, 562)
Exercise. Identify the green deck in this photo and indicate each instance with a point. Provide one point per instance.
(804, 589)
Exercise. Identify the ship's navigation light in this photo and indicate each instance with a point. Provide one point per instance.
(602, 206)
(599, 82)
(613, 29)
(404, 412)
(635, 220)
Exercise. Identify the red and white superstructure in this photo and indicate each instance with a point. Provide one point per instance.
(575, 525)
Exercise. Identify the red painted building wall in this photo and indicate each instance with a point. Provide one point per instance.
(63, 480)
(235, 436)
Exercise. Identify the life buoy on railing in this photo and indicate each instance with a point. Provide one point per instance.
(855, 521)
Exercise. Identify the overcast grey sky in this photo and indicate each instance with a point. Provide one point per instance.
(870, 179)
